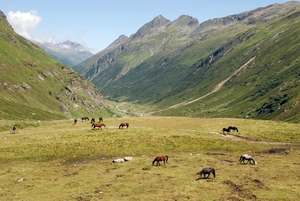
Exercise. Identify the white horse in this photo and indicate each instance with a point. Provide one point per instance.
(248, 159)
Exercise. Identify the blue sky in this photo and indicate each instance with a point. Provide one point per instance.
(97, 23)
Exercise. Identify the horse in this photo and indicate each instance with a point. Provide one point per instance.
(124, 124)
(75, 121)
(160, 158)
(227, 130)
(99, 125)
(247, 158)
(207, 171)
(100, 119)
(234, 128)
(85, 118)
(93, 120)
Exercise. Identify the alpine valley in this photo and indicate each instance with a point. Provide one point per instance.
(244, 65)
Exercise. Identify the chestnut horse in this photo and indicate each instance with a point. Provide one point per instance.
(160, 158)
(99, 125)
(124, 124)
(207, 171)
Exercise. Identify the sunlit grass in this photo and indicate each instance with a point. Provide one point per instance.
(60, 161)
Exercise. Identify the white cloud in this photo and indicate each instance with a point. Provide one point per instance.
(24, 24)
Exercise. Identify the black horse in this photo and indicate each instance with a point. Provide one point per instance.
(247, 158)
(227, 130)
(100, 119)
(207, 171)
(85, 118)
(234, 128)
(93, 120)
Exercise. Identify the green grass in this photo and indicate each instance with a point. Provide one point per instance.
(57, 160)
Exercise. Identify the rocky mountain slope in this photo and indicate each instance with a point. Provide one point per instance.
(67, 52)
(165, 64)
(34, 86)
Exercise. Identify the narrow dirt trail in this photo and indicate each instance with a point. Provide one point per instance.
(217, 88)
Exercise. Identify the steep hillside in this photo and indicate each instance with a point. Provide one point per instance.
(244, 65)
(67, 52)
(35, 86)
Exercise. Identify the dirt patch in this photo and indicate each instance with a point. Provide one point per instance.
(277, 150)
(240, 190)
(215, 154)
(245, 138)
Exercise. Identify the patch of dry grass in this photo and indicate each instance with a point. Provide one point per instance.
(62, 161)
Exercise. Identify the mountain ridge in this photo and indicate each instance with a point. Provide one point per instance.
(67, 52)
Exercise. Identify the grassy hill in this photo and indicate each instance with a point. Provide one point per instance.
(253, 56)
(35, 86)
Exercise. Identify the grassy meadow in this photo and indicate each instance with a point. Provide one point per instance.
(58, 160)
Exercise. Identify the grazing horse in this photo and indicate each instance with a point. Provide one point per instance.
(99, 125)
(100, 119)
(227, 130)
(247, 158)
(85, 118)
(93, 120)
(160, 158)
(75, 121)
(234, 128)
(124, 124)
(207, 171)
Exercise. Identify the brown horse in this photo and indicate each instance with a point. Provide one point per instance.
(99, 125)
(75, 121)
(160, 158)
(207, 171)
(124, 124)
(85, 118)
(100, 119)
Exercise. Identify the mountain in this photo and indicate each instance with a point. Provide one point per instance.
(34, 86)
(244, 65)
(67, 52)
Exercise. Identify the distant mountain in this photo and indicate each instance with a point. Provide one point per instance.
(34, 86)
(67, 52)
(243, 65)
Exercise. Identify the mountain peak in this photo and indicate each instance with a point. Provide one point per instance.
(152, 26)
(186, 20)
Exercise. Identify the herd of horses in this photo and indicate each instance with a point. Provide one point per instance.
(227, 130)
(207, 171)
(99, 124)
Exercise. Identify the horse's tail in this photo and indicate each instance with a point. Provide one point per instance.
(167, 158)
(213, 172)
